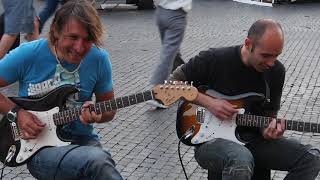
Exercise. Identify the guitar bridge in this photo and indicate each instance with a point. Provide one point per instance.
(200, 114)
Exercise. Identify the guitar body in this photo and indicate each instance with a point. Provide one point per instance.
(198, 125)
(43, 108)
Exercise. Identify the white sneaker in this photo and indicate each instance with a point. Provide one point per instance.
(156, 104)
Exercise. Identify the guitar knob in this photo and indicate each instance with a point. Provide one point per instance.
(25, 149)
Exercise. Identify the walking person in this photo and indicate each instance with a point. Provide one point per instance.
(171, 19)
(16, 23)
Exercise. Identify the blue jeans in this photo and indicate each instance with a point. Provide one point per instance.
(47, 11)
(172, 25)
(18, 16)
(88, 161)
(231, 161)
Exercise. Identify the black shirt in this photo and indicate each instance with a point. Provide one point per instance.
(222, 70)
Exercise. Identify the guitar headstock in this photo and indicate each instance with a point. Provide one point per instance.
(169, 93)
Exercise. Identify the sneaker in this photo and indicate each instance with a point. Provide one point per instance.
(156, 104)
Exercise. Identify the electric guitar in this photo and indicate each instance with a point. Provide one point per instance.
(15, 151)
(196, 125)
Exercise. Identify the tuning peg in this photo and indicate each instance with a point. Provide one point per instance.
(174, 82)
(165, 82)
(191, 83)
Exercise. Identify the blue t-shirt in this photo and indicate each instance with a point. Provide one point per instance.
(38, 72)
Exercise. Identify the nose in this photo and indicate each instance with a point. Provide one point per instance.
(79, 45)
(270, 62)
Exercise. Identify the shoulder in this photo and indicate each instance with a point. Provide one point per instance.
(98, 54)
(278, 68)
(26, 51)
(98, 58)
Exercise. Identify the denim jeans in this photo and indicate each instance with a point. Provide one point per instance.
(88, 161)
(231, 161)
(18, 16)
(171, 24)
(47, 11)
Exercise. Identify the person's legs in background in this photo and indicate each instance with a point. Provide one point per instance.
(47, 11)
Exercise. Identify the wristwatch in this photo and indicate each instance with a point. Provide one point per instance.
(13, 113)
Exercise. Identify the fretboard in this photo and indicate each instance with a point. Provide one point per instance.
(260, 121)
(67, 116)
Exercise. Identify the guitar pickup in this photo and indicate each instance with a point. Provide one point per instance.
(200, 114)
(15, 131)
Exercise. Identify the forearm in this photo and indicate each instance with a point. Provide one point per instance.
(107, 116)
(5, 104)
(5, 44)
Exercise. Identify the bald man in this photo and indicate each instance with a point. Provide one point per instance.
(232, 71)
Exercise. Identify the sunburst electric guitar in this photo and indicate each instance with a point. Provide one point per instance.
(196, 125)
(15, 151)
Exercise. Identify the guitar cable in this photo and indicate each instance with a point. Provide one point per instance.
(7, 159)
(186, 135)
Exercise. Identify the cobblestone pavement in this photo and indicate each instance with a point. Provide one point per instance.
(143, 141)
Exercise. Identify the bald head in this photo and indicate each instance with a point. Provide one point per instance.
(260, 27)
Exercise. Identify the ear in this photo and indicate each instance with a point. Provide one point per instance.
(248, 44)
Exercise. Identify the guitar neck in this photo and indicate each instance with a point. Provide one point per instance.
(261, 121)
(70, 115)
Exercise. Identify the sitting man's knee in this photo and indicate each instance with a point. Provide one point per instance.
(240, 164)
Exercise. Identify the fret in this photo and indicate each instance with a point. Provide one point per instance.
(65, 116)
(119, 103)
(266, 122)
(289, 125)
(314, 127)
(261, 122)
(294, 125)
(255, 122)
(243, 122)
(139, 97)
(307, 127)
(126, 101)
(300, 126)
(249, 120)
(133, 99)
(318, 127)
(60, 117)
(107, 106)
(72, 114)
(69, 115)
(98, 108)
(147, 95)
(241, 119)
(113, 105)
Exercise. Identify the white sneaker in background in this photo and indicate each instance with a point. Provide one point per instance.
(156, 104)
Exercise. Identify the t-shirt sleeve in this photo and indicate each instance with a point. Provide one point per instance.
(199, 68)
(12, 64)
(105, 82)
